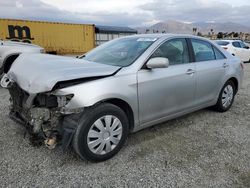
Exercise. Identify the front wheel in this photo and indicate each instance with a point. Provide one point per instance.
(1, 73)
(101, 132)
(226, 97)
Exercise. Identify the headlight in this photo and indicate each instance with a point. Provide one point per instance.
(52, 101)
(64, 100)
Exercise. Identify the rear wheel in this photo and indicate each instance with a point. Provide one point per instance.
(101, 132)
(226, 97)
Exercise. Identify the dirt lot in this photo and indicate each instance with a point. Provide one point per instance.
(203, 149)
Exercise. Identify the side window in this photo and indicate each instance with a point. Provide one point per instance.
(203, 50)
(236, 44)
(242, 44)
(218, 54)
(176, 50)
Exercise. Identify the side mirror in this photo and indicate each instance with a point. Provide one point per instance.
(157, 62)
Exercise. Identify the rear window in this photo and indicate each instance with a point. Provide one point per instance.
(218, 54)
(203, 50)
(222, 43)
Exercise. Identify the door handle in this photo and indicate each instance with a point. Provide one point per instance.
(225, 65)
(190, 72)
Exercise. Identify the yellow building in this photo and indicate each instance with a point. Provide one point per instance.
(57, 38)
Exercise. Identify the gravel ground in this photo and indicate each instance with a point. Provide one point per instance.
(203, 149)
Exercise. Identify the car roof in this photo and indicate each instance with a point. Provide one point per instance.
(166, 35)
(14, 43)
(226, 40)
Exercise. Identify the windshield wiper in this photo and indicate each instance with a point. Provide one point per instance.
(80, 57)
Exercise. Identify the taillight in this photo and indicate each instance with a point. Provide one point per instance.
(225, 48)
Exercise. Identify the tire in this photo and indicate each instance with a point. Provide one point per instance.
(221, 105)
(92, 124)
(1, 73)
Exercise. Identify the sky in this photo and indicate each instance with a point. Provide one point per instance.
(128, 12)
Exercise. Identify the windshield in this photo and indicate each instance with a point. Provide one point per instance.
(121, 52)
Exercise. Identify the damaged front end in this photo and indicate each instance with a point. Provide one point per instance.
(44, 115)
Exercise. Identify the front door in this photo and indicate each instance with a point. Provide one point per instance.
(166, 91)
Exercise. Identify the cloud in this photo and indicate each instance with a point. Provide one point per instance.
(198, 11)
(38, 10)
(90, 6)
(127, 12)
(19, 4)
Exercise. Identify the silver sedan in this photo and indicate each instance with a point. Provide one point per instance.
(93, 102)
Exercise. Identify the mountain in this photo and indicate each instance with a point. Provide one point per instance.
(205, 27)
(172, 26)
(169, 26)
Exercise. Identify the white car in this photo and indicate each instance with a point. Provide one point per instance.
(236, 48)
(10, 50)
(247, 43)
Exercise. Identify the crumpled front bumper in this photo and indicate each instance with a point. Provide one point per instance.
(44, 125)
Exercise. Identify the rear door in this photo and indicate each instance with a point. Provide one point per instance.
(211, 66)
(166, 91)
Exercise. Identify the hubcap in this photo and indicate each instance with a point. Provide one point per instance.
(227, 96)
(104, 135)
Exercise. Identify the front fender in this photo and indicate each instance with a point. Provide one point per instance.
(92, 92)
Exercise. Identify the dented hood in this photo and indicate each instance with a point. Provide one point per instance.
(36, 73)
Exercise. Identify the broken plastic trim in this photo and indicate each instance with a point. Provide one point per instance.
(67, 111)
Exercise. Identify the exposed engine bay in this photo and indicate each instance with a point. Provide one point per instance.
(42, 115)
